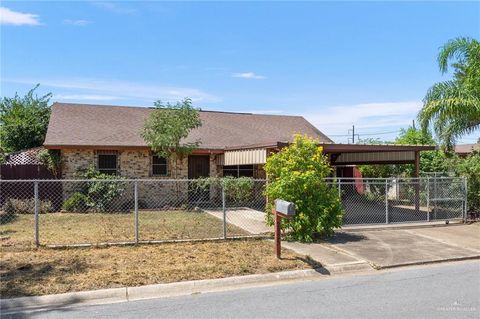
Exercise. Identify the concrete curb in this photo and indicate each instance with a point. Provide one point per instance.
(434, 261)
(114, 295)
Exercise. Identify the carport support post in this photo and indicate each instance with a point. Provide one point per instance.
(135, 195)
(36, 212)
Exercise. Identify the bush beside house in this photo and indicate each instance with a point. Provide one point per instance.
(297, 174)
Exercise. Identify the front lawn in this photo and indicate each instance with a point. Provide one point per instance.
(75, 228)
(48, 271)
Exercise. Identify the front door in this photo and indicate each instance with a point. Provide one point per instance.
(198, 166)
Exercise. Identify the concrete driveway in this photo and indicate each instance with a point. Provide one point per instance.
(384, 248)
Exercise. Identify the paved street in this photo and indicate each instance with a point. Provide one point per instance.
(437, 291)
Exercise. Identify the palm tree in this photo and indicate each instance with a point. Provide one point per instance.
(453, 107)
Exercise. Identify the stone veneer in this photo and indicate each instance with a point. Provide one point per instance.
(136, 164)
(131, 164)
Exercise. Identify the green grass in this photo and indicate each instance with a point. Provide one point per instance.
(73, 228)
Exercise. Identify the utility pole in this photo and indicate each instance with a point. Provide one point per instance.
(353, 135)
(413, 124)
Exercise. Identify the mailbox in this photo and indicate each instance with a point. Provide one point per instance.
(285, 208)
(282, 209)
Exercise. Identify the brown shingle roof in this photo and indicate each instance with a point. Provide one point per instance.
(86, 125)
(466, 148)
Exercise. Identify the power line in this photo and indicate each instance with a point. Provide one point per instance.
(370, 134)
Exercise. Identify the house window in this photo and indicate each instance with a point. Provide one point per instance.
(107, 164)
(238, 170)
(159, 166)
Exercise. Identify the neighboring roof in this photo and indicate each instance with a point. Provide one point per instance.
(24, 157)
(84, 125)
(466, 148)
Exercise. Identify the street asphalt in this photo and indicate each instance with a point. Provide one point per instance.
(450, 290)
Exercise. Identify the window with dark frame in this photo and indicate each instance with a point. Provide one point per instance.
(159, 166)
(107, 164)
(238, 170)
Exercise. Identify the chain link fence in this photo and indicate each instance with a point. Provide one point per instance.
(401, 200)
(86, 212)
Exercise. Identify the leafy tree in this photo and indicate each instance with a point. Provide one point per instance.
(430, 161)
(470, 168)
(167, 128)
(23, 121)
(453, 107)
(297, 174)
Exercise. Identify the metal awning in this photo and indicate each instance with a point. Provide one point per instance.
(243, 157)
(340, 154)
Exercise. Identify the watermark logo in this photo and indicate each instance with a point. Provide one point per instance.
(457, 307)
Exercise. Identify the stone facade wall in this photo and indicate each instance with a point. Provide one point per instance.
(74, 160)
(137, 164)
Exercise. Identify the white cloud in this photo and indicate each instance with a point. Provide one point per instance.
(367, 118)
(10, 17)
(115, 8)
(87, 97)
(127, 90)
(78, 23)
(249, 75)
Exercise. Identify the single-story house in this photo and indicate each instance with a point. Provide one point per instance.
(233, 144)
(463, 150)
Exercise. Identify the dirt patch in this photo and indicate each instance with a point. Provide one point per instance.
(50, 271)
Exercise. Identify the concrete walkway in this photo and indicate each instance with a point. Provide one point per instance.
(385, 248)
(250, 220)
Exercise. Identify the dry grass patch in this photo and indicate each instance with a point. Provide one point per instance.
(49, 271)
(72, 228)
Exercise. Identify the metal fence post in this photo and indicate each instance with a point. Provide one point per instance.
(339, 189)
(386, 201)
(135, 195)
(465, 198)
(435, 197)
(224, 213)
(428, 199)
(36, 212)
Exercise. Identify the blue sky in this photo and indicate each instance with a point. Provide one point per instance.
(339, 64)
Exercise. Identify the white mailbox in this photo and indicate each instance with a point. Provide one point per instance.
(285, 208)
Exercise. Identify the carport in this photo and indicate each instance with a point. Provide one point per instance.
(351, 184)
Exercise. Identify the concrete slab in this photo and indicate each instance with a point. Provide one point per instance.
(466, 236)
(250, 220)
(394, 247)
(331, 259)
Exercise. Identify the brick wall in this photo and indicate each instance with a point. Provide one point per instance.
(138, 164)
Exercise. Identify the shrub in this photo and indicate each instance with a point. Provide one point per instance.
(297, 174)
(77, 202)
(26, 206)
(470, 168)
(237, 190)
(6, 217)
(102, 190)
